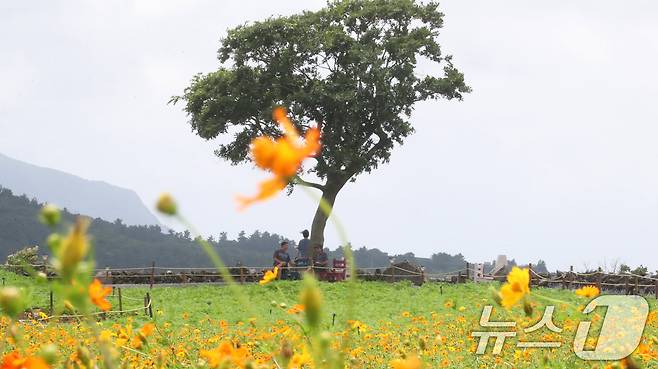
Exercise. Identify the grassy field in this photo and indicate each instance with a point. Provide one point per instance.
(386, 321)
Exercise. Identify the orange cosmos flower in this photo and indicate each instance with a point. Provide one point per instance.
(142, 335)
(224, 355)
(283, 156)
(298, 308)
(97, 293)
(14, 360)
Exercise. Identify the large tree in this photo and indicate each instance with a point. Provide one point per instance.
(349, 68)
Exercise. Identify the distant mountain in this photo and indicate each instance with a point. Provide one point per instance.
(93, 198)
(119, 245)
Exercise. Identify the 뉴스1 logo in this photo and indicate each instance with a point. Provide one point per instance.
(620, 334)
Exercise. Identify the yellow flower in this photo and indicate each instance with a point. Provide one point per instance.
(75, 246)
(97, 293)
(166, 204)
(358, 326)
(105, 335)
(269, 276)
(298, 360)
(412, 362)
(588, 291)
(517, 286)
(283, 156)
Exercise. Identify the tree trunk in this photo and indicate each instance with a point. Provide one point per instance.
(329, 193)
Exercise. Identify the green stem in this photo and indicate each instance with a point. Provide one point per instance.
(349, 256)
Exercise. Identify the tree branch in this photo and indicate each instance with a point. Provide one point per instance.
(300, 181)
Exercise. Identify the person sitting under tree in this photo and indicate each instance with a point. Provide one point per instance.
(320, 260)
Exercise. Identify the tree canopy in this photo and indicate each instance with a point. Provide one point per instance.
(350, 68)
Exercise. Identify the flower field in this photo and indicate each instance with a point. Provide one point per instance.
(389, 325)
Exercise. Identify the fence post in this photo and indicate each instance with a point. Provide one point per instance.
(656, 288)
(570, 277)
(599, 277)
(241, 273)
(51, 309)
(120, 302)
(146, 311)
(467, 272)
(152, 274)
(150, 305)
(636, 288)
(626, 288)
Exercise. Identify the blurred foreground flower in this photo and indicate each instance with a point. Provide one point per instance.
(517, 286)
(97, 293)
(412, 362)
(14, 360)
(269, 276)
(283, 156)
(588, 291)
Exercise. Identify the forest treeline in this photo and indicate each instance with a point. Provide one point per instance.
(119, 245)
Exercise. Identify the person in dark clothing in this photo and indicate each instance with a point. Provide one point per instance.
(304, 246)
(281, 257)
(282, 260)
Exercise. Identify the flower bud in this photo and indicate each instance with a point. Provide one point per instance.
(53, 241)
(527, 307)
(75, 246)
(11, 301)
(42, 277)
(166, 204)
(312, 301)
(50, 215)
(49, 353)
(325, 340)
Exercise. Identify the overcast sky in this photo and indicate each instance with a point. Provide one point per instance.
(554, 155)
